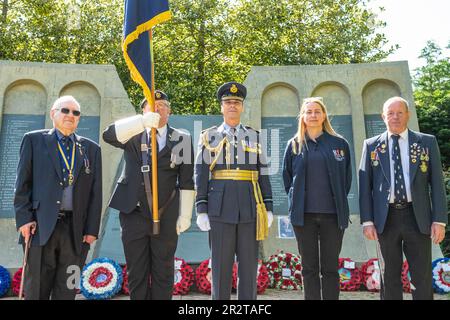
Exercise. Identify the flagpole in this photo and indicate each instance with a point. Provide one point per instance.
(154, 147)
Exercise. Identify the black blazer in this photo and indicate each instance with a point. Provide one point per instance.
(130, 186)
(339, 171)
(39, 186)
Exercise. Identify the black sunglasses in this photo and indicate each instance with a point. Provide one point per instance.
(76, 113)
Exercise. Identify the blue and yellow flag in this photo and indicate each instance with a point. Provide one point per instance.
(140, 17)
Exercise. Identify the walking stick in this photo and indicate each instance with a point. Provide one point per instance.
(25, 259)
(381, 265)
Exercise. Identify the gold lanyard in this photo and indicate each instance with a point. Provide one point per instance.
(67, 163)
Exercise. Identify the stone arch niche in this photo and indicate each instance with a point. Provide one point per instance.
(90, 101)
(25, 97)
(24, 108)
(374, 94)
(335, 97)
(280, 99)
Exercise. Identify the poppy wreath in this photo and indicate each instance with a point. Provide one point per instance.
(349, 278)
(183, 277)
(262, 277)
(5, 281)
(125, 288)
(284, 271)
(16, 282)
(101, 279)
(203, 277)
(441, 275)
(371, 275)
(406, 277)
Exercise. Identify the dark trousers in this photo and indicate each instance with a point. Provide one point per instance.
(401, 234)
(227, 241)
(150, 258)
(319, 242)
(50, 268)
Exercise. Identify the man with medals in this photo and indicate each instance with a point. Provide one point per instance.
(234, 196)
(149, 257)
(401, 206)
(58, 202)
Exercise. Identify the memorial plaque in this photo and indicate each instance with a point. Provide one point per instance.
(89, 127)
(11, 134)
(374, 125)
(287, 128)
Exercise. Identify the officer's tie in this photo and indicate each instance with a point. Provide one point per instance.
(400, 188)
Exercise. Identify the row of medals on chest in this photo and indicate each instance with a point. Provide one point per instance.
(415, 152)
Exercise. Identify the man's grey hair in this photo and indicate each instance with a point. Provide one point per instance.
(61, 100)
(395, 99)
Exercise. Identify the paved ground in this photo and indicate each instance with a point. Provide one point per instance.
(272, 294)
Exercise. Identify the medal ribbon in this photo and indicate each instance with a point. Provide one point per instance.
(72, 162)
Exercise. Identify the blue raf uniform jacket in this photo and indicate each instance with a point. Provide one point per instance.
(230, 201)
(426, 181)
(337, 153)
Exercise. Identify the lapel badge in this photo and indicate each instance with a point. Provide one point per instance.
(413, 160)
(338, 154)
(383, 148)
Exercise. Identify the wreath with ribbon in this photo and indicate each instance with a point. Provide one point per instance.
(406, 277)
(16, 282)
(5, 281)
(441, 275)
(203, 277)
(371, 275)
(262, 277)
(349, 275)
(284, 271)
(101, 279)
(183, 277)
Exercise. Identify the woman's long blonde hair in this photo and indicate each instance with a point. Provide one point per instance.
(300, 137)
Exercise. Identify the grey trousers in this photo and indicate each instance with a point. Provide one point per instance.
(227, 241)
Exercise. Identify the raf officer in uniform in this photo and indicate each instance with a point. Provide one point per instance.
(234, 196)
(149, 257)
(402, 200)
(58, 200)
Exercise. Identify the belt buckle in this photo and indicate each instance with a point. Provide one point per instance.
(145, 168)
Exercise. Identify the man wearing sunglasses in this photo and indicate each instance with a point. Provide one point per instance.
(58, 201)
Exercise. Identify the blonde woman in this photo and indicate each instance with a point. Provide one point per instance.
(317, 178)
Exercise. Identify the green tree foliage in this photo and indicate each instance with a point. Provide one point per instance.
(432, 97)
(206, 43)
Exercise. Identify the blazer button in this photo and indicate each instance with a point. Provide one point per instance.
(58, 202)
(60, 183)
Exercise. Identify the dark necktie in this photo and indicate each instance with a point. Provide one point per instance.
(233, 134)
(400, 188)
(66, 144)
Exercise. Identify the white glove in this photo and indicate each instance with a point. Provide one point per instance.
(203, 222)
(269, 217)
(187, 198)
(151, 119)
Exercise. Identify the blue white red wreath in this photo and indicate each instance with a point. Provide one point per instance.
(441, 275)
(101, 279)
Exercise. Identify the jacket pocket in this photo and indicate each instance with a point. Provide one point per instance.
(215, 197)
